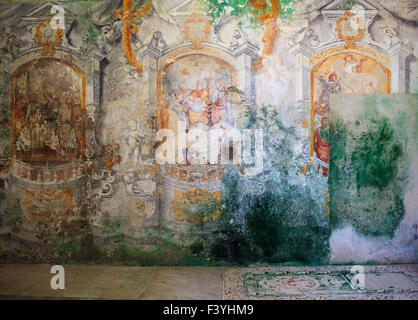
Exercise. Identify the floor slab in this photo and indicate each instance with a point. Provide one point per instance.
(32, 281)
(182, 283)
(81, 281)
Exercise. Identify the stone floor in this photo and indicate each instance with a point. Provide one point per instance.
(26, 281)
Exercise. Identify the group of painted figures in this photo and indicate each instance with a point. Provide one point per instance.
(46, 128)
(207, 104)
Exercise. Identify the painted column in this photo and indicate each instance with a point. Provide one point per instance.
(303, 54)
(5, 81)
(93, 87)
(246, 54)
(399, 55)
(149, 58)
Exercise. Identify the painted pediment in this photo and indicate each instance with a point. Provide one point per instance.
(186, 8)
(46, 10)
(338, 8)
(345, 5)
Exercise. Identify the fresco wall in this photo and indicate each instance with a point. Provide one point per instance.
(208, 132)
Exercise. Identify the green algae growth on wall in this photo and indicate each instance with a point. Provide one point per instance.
(373, 141)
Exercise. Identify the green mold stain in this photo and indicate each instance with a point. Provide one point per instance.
(285, 222)
(375, 155)
(365, 187)
(244, 11)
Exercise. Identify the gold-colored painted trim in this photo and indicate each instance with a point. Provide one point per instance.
(196, 196)
(128, 28)
(355, 49)
(48, 44)
(46, 195)
(349, 40)
(196, 18)
(267, 18)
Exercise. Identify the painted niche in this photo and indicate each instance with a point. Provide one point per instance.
(196, 90)
(341, 73)
(49, 113)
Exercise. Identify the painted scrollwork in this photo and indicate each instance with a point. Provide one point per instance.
(110, 33)
(311, 38)
(308, 37)
(10, 44)
(101, 185)
(143, 189)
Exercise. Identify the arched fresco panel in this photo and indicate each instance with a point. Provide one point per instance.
(48, 109)
(343, 73)
(196, 89)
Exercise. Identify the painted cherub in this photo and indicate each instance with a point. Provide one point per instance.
(133, 140)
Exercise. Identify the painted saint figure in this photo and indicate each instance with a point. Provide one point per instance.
(331, 86)
(220, 102)
(178, 102)
(197, 104)
(321, 144)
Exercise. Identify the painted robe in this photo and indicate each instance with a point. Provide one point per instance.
(322, 150)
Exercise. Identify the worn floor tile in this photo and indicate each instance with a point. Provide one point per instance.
(185, 283)
(81, 282)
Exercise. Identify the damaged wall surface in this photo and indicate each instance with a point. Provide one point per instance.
(200, 132)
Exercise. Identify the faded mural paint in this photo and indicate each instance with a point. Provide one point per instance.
(374, 148)
(81, 103)
(341, 73)
(48, 113)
